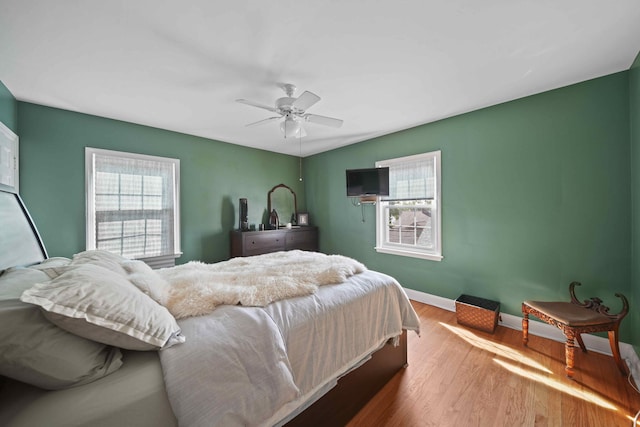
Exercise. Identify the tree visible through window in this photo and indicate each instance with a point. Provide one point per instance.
(132, 204)
(408, 221)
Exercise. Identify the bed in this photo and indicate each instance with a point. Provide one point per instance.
(305, 358)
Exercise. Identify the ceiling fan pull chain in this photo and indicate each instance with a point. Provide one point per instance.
(300, 158)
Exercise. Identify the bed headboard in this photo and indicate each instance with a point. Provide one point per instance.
(20, 242)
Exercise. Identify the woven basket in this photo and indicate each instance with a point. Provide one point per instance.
(478, 313)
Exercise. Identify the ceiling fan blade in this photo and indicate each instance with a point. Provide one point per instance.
(323, 120)
(263, 121)
(257, 104)
(306, 100)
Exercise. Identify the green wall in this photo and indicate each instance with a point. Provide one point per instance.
(536, 194)
(634, 107)
(214, 175)
(8, 109)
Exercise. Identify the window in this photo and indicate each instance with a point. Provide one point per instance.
(408, 220)
(8, 159)
(133, 205)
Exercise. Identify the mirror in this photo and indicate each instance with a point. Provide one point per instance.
(283, 200)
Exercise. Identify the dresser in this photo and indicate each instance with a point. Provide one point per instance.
(247, 243)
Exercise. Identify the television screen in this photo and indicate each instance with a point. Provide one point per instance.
(368, 182)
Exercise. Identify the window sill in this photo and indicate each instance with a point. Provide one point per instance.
(430, 257)
(161, 261)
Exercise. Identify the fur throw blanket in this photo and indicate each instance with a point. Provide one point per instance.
(197, 288)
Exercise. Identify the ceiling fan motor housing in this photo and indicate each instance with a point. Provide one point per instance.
(285, 105)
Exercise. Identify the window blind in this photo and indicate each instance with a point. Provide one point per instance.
(134, 204)
(413, 180)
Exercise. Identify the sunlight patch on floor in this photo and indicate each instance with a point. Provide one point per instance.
(557, 385)
(507, 352)
(493, 347)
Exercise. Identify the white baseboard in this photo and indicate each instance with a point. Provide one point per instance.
(592, 342)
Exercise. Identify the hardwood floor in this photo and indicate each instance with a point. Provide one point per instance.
(459, 376)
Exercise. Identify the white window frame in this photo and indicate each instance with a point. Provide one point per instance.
(9, 160)
(90, 155)
(382, 245)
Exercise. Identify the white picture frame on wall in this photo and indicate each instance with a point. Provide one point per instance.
(9, 150)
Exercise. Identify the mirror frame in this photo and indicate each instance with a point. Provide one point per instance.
(295, 200)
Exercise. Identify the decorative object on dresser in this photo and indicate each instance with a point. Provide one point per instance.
(244, 213)
(249, 243)
(281, 199)
(274, 221)
(303, 218)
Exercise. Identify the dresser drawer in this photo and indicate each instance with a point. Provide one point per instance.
(262, 243)
(247, 243)
(303, 239)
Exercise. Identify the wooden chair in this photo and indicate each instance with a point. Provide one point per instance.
(575, 318)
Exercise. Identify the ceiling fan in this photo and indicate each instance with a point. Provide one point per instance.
(292, 112)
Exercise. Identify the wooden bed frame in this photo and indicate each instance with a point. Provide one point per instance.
(356, 388)
(336, 407)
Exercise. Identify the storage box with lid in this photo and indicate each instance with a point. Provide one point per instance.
(477, 312)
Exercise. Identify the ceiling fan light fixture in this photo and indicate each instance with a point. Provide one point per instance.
(290, 127)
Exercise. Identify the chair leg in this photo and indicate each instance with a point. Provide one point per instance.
(569, 353)
(579, 338)
(615, 350)
(525, 328)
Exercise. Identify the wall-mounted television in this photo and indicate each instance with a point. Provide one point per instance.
(368, 182)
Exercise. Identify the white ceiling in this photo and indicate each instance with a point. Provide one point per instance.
(381, 66)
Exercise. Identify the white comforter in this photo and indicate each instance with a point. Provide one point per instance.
(261, 365)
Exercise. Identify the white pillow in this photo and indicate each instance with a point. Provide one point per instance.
(147, 280)
(53, 267)
(101, 258)
(37, 352)
(102, 305)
